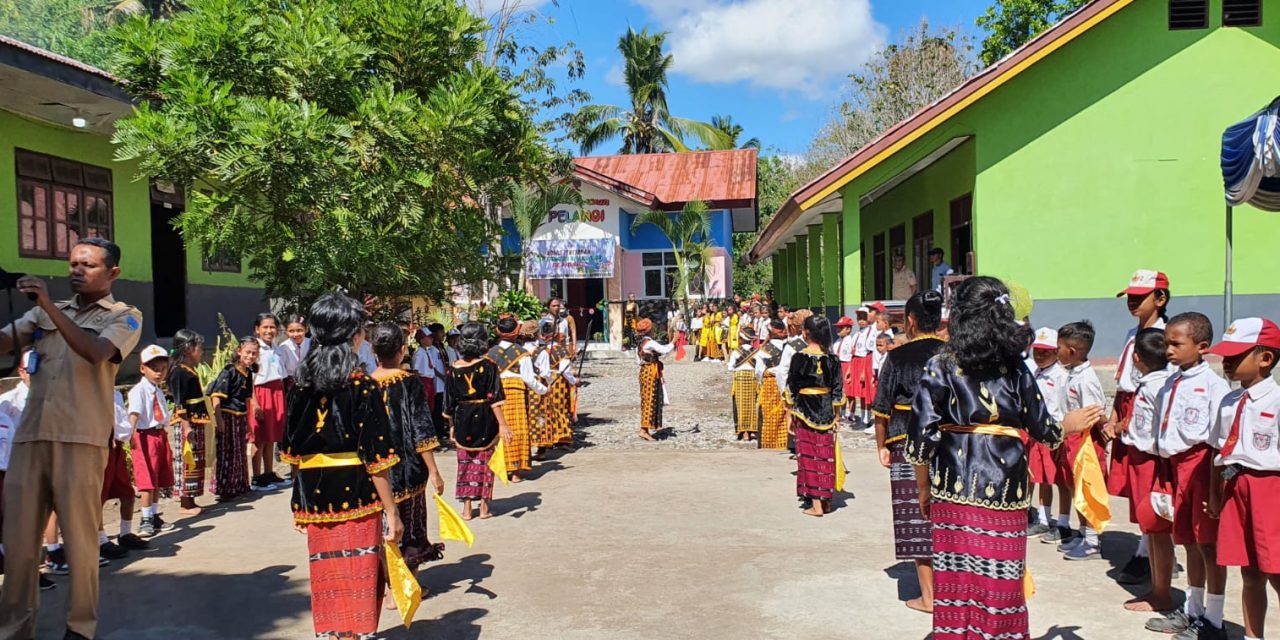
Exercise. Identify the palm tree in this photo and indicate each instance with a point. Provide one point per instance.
(529, 208)
(701, 254)
(647, 126)
(732, 132)
(683, 229)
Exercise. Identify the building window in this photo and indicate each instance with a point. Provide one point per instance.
(659, 274)
(962, 234)
(59, 202)
(1188, 14)
(1242, 13)
(557, 288)
(224, 261)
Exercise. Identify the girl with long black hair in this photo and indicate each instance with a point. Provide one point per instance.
(474, 400)
(974, 410)
(815, 394)
(338, 438)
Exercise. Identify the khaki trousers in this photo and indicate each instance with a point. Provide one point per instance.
(66, 478)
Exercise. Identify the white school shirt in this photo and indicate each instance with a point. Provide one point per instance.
(437, 367)
(1083, 388)
(122, 429)
(453, 354)
(877, 361)
(1126, 374)
(784, 368)
(1188, 407)
(143, 398)
(1052, 381)
(696, 324)
(649, 345)
(270, 365)
(1145, 418)
(525, 371)
(761, 356)
(14, 401)
(7, 426)
(292, 354)
(549, 371)
(1258, 445)
(365, 356)
(844, 347)
(864, 342)
(422, 364)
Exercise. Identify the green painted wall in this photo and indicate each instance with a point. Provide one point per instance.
(776, 273)
(851, 260)
(831, 252)
(814, 267)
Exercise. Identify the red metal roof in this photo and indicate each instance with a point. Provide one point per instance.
(722, 179)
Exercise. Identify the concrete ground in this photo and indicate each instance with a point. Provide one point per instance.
(604, 544)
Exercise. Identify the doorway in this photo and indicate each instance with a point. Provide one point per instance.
(581, 298)
(962, 235)
(921, 244)
(168, 271)
(878, 267)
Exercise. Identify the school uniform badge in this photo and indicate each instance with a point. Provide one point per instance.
(1262, 441)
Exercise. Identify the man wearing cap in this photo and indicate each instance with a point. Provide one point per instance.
(940, 268)
(905, 284)
(60, 447)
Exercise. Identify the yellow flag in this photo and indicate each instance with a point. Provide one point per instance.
(404, 585)
(1091, 498)
(1028, 584)
(452, 526)
(188, 456)
(498, 462)
(840, 471)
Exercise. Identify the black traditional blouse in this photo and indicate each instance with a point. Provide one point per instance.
(472, 391)
(899, 379)
(814, 388)
(188, 396)
(976, 468)
(350, 422)
(234, 386)
(412, 431)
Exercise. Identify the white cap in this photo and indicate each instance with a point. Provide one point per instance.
(1046, 338)
(151, 352)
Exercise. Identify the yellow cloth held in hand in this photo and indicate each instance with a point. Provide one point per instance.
(498, 462)
(1028, 584)
(188, 456)
(404, 585)
(452, 526)
(1091, 498)
(840, 471)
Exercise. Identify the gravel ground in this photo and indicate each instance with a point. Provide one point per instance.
(697, 418)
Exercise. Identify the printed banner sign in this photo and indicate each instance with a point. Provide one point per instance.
(571, 258)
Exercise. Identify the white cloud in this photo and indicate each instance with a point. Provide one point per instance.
(614, 76)
(488, 7)
(799, 45)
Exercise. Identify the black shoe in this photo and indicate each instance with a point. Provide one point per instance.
(161, 525)
(1038, 529)
(1137, 571)
(1177, 570)
(1175, 621)
(272, 478)
(111, 551)
(56, 561)
(46, 584)
(147, 528)
(1056, 535)
(132, 542)
(1202, 629)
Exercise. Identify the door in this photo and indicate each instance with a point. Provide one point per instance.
(168, 271)
(961, 257)
(921, 244)
(581, 298)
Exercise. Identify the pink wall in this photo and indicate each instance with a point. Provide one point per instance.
(632, 274)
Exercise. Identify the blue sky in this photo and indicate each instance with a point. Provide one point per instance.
(776, 66)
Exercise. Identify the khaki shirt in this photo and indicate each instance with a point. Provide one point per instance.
(72, 400)
(903, 280)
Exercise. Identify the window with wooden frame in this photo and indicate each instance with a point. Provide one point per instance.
(1242, 13)
(59, 202)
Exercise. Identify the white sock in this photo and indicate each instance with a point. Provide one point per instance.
(1043, 512)
(52, 547)
(1064, 519)
(102, 537)
(1090, 536)
(149, 512)
(1195, 602)
(1142, 548)
(1213, 604)
(126, 527)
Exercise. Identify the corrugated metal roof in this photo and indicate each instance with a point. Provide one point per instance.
(722, 179)
(61, 59)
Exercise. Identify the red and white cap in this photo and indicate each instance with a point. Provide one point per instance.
(152, 352)
(845, 321)
(1046, 338)
(878, 307)
(1145, 281)
(1245, 334)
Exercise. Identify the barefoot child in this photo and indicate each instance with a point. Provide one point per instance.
(152, 458)
(266, 421)
(190, 418)
(232, 396)
(474, 411)
(744, 395)
(1147, 470)
(414, 437)
(1075, 341)
(519, 380)
(1051, 379)
(649, 354)
(815, 395)
(1246, 475)
(1188, 406)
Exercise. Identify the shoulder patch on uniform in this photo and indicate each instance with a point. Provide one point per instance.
(132, 323)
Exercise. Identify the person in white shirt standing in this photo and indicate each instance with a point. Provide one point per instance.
(295, 348)
(1075, 341)
(843, 349)
(1051, 379)
(266, 421)
(148, 415)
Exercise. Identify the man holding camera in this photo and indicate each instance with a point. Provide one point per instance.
(60, 446)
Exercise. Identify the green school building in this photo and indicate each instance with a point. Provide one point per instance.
(59, 182)
(1090, 152)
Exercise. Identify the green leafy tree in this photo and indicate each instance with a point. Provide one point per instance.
(732, 132)
(646, 126)
(330, 143)
(775, 180)
(1011, 23)
(683, 229)
(529, 208)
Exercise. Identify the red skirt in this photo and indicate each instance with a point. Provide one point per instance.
(475, 478)
(346, 577)
(116, 483)
(270, 428)
(1118, 477)
(1143, 470)
(979, 558)
(1249, 529)
(1191, 525)
(1043, 463)
(816, 462)
(860, 369)
(850, 385)
(152, 460)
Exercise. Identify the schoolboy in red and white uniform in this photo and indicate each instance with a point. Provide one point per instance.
(844, 347)
(1245, 488)
(1051, 379)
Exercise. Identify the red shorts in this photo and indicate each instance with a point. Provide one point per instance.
(116, 484)
(152, 460)
(1142, 470)
(1043, 463)
(1191, 468)
(1071, 448)
(270, 399)
(1249, 529)
(1118, 478)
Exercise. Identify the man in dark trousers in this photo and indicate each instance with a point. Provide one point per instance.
(60, 446)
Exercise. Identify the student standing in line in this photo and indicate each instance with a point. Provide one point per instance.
(815, 395)
(148, 415)
(475, 417)
(231, 394)
(649, 354)
(191, 420)
(295, 347)
(744, 395)
(519, 381)
(1051, 379)
(773, 410)
(843, 349)
(1075, 341)
(266, 421)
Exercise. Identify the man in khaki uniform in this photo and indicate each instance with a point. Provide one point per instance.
(60, 446)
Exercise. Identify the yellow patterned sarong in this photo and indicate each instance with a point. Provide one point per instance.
(516, 412)
(746, 406)
(773, 414)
